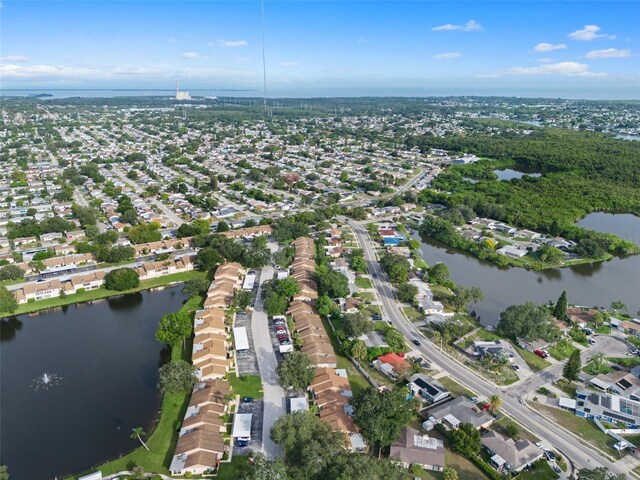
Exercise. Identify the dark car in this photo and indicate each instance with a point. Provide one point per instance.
(416, 343)
(246, 400)
(549, 455)
(241, 442)
(376, 317)
(374, 275)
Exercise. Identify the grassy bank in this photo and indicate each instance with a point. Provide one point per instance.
(103, 293)
(163, 439)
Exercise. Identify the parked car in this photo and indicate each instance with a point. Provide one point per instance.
(516, 368)
(376, 317)
(241, 442)
(474, 399)
(374, 275)
(285, 342)
(549, 455)
(540, 446)
(278, 322)
(592, 341)
(246, 400)
(281, 330)
(541, 353)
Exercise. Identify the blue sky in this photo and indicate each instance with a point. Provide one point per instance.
(586, 48)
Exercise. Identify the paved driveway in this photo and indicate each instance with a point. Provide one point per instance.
(274, 395)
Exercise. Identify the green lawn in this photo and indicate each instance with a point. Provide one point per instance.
(370, 296)
(162, 441)
(247, 386)
(455, 388)
(104, 293)
(540, 471)
(234, 469)
(634, 439)
(582, 427)
(535, 362)
(413, 314)
(357, 381)
(362, 282)
(501, 425)
(592, 369)
(561, 351)
(440, 291)
(566, 386)
(627, 362)
(603, 329)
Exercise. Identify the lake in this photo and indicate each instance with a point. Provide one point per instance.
(510, 174)
(106, 357)
(596, 284)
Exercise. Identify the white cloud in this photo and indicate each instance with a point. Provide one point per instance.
(193, 55)
(289, 64)
(487, 75)
(609, 53)
(233, 43)
(565, 69)
(14, 58)
(8, 71)
(549, 47)
(588, 33)
(470, 26)
(545, 60)
(447, 56)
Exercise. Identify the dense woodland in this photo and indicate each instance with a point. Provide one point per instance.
(582, 172)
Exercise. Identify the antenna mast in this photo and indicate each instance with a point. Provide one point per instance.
(264, 63)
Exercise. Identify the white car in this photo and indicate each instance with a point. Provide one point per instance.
(540, 445)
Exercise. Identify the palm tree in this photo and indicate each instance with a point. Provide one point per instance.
(138, 433)
(358, 350)
(598, 360)
(495, 402)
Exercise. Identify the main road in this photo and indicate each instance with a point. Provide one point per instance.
(581, 454)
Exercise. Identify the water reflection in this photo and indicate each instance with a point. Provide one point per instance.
(9, 327)
(125, 302)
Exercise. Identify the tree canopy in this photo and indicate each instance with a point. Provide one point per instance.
(177, 376)
(121, 279)
(296, 370)
(527, 321)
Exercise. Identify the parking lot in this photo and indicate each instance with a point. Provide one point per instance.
(274, 340)
(255, 444)
(246, 362)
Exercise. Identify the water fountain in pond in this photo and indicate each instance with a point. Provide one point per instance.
(45, 381)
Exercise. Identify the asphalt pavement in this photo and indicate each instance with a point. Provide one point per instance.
(581, 454)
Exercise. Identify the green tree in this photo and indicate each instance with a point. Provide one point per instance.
(463, 296)
(196, 286)
(178, 376)
(262, 468)
(511, 430)
(138, 433)
(495, 403)
(332, 284)
(242, 298)
(358, 350)
(11, 272)
(145, 233)
(325, 306)
(308, 443)
(355, 324)
(382, 415)
(121, 279)
(466, 439)
(438, 273)
(450, 473)
(572, 366)
(618, 306)
(275, 304)
(527, 321)
(296, 370)
(174, 327)
(407, 292)
(206, 259)
(4, 472)
(560, 310)
(396, 267)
